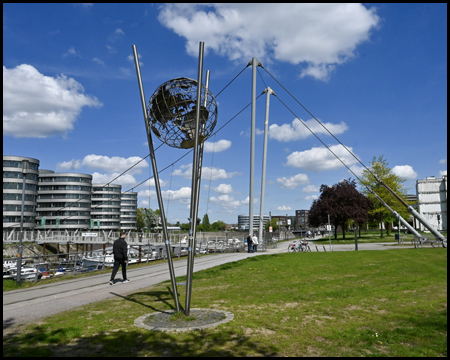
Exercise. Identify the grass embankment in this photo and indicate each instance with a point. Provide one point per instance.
(366, 303)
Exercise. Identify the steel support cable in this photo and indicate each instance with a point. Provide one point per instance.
(369, 171)
(231, 82)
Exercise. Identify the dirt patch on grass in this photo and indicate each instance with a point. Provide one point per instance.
(262, 331)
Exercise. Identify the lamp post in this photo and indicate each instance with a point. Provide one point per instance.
(19, 255)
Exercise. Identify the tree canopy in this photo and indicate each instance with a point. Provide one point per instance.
(343, 202)
(380, 168)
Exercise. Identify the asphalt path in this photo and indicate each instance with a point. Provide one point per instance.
(28, 305)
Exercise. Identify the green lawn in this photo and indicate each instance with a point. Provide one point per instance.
(365, 303)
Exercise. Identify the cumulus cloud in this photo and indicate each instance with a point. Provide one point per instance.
(183, 195)
(114, 163)
(296, 130)
(311, 198)
(228, 202)
(310, 189)
(35, 105)
(284, 208)
(224, 189)
(442, 173)
(125, 180)
(68, 165)
(218, 146)
(443, 161)
(315, 36)
(293, 181)
(207, 172)
(320, 159)
(405, 171)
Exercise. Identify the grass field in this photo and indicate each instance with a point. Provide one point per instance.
(366, 303)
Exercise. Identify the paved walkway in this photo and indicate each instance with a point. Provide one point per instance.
(27, 305)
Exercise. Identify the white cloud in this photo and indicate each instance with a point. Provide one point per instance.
(207, 173)
(35, 105)
(98, 61)
(442, 173)
(311, 198)
(443, 161)
(310, 189)
(72, 52)
(115, 163)
(218, 146)
(297, 130)
(357, 170)
(126, 180)
(293, 181)
(317, 36)
(131, 59)
(68, 165)
(224, 189)
(228, 202)
(320, 159)
(405, 171)
(118, 34)
(182, 195)
(284, 208)
(151, 183)
(111, 49)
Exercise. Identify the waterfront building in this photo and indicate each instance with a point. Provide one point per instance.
(432, 201)
(64, 200)
(106, 206)
(244, 222)
(128, 211)
(13, 176)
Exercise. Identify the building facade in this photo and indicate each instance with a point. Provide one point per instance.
(301, 219)
(64, 201)
(432, 201)
(244, 222)
(106, 202)
(128, 211)
(16, 170)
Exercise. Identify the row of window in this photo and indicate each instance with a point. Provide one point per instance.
(18, 175)
(107, 189)
(94, 195)
(64, 187)
(18, 207)
(64, 196)
(96, 217)
(16, 219)
(100, 209)
(18, 186)
(65, 213)
(98, 203)
(65, 179)
(18, 197)
(64, 204)
(18, 164)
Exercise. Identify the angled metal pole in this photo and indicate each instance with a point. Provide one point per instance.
(252, 145)
(194, 192)
(156, 177)
(268, 92)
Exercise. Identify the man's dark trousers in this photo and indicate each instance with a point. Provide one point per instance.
(118, 263)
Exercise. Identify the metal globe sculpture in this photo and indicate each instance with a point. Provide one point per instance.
(172, 113)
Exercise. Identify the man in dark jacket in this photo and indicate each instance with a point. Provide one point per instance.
(249, 242)
(120, 250)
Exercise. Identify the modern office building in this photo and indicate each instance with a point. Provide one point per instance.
(106, 206)
(128, 211)
(17, 171)
(244, 222)
(64, 200)
(301, 219)
(432, 201)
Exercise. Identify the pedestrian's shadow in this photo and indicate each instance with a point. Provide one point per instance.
(165, 297)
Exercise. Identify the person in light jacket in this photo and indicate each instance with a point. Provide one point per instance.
(255, 243)
(120, 251)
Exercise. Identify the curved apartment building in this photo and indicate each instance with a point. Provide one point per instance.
(106, 206)
(15, 168)
(128, 211)
(64, 200)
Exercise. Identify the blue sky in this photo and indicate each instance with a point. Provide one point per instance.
(374, 74)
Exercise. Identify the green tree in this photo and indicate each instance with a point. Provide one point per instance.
(205, 223)
(380, 168)
(219, 225)
(272, 223)
(140, 220)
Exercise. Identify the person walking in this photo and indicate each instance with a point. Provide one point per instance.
(249, 243)
(120, 249)
(255, 243)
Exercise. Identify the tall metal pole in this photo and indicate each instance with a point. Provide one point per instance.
(194, 193)
(156, 178)
(268, 92)
(255, 63)
(329, 231)
(20, 249)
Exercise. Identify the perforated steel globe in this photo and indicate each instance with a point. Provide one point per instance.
(172, 113)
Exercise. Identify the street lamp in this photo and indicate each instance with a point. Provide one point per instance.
(19, 255)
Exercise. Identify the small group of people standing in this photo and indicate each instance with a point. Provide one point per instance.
(252, 243)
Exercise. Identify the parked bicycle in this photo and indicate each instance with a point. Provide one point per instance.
(301, 247)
